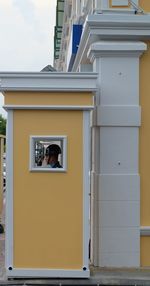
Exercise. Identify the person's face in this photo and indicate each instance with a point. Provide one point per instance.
(51, 159)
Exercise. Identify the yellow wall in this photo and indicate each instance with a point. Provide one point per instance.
(47, 98)
(145, 251)
(145, 146)
(48, 206)
(145, 4)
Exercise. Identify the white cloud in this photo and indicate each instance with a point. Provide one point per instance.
(26, 34)
(22, 5)
(44, 3)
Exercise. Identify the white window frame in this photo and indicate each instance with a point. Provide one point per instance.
(63, 138)
(120, 3)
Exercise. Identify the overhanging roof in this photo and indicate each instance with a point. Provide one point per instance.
(111, 26)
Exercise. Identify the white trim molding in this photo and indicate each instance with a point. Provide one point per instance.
(9, 192)
(49, 107)
(37, 81)
(86, 187)
(145, 230)
(55, 273)
(120, 3)
(116, 49)
(48, 138)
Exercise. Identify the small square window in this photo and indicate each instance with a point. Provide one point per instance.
(48, 153)
(120, 3)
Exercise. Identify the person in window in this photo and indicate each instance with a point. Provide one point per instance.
(51, 156)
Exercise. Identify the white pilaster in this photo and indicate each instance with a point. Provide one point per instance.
(104, 4)
(86, 68)
(98, 4)
(115, 155)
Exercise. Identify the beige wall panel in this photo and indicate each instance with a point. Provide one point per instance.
(145, 251)
(145, 153)
(145, 4)
(47, 98)
(48, 207)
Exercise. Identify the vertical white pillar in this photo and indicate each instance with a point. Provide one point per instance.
(115, 179)
(78, 7)
(104, 4)
(86, 68)
(98, 4)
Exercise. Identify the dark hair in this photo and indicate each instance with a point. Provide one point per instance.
(53, 149)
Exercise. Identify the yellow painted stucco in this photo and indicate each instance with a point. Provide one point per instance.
(145, 146)
(48, 207)
(48, 98)
(145, 251)
(145, 4)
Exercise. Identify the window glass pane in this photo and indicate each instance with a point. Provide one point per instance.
(48, 153)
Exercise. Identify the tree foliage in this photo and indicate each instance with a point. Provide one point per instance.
(2, 125)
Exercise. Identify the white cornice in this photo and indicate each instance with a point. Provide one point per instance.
(37, 81)
(117, 21)
(117, 49)
(113, 26)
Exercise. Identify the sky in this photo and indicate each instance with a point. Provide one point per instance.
(26, 35)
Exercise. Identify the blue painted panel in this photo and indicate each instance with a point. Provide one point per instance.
(76, 35)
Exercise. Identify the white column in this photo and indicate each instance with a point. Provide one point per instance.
(98, 4)
(104, 4)
(86, 68)
(115, 155)
(78, 8)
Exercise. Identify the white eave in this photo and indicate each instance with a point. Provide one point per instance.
(111, 26)
(115, 22)
(46, 81)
